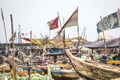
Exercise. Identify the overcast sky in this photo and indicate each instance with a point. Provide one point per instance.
(34, 15)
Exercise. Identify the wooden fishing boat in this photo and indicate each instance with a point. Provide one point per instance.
(63, 72)
(21, 71)
(92, 70)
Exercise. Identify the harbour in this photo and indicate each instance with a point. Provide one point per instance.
(37, 45)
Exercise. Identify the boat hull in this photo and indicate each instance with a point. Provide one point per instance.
(92, 70)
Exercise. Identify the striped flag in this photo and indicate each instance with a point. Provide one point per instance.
(109, 22)
(33, 40)
(72, 21)
(53, 24)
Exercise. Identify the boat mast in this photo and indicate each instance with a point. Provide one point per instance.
(30, 63)
(78, 34)
(30, 47)
(12, 31)
(103, 34)
(63, 34)
(64, 43)
(14, 67)
(4, 30)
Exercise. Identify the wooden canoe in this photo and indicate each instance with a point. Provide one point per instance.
(92, 70)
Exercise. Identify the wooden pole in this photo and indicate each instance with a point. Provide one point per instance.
(12, 31)
(30, 46)
(59, 19)
(14, 69)
(64, 42)
(104, 40)
(98, 37)
(103, 34)
(29, 70)
(4, 30)
(78, 39)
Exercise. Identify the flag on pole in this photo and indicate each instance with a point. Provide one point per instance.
(109, 22)
(33, 40)
(27, 39)
(53, 24)
(72, 21)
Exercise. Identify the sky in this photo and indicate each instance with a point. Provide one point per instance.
(33, 15)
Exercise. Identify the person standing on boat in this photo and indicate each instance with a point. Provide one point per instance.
(16, 53)
(117, 56)
(96, 56)
(88, 58)
(104, 58)
(40, 61)
(1, 59)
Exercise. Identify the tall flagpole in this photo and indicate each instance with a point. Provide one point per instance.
(14, 69)
(104, 39)
(103, 34)
(78, 38)
(30, 57)
(12, 34)
(30, 47)
(4, 30)
(59, 19)
(64, 44)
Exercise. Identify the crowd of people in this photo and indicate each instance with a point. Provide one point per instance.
(101, 56)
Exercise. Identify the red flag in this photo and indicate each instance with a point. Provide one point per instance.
(72, 21)
(27, 39)
(53, 24)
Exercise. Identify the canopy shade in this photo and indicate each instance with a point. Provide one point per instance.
(111, 43)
